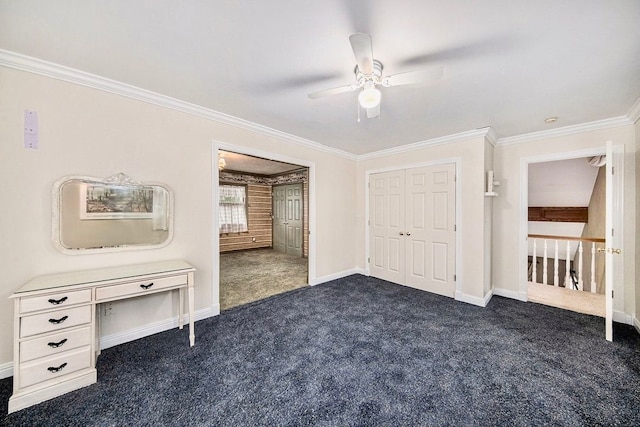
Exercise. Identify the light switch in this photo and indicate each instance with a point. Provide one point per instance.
(30, 129)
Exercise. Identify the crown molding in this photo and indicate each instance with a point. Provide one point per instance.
(457, 137)
(634, 111)
(567, 130)
(48, 69)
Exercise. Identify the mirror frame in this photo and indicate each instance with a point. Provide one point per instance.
(118, 179)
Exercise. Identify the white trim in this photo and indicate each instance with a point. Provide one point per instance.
(462, 136)
(566, 130)
(634, 112)
(507, 293)
(44, 68)
(335, 276)
(220, 145)
(470, 299)
(112, 340)
(622, 317)
(636, 324)
(6, 370)
(457, 161)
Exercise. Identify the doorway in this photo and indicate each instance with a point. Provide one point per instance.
(249, 268)
(614, 283)
(566, 234)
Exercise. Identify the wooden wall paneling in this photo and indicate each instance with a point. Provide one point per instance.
(259, 222)
(559, 214)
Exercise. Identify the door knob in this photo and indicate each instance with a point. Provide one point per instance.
(408, 234)
(401, 233)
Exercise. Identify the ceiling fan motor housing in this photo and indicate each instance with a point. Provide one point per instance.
(374, 77)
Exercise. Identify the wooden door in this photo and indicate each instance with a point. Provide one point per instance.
(412, 228)
(293, 230)
(279, 218)
(288, 219)
(613, 224)
(386, 230)
(430, 229)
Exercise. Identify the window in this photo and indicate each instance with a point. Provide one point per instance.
(233, 210)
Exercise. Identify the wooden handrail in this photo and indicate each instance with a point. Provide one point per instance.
(584, 239)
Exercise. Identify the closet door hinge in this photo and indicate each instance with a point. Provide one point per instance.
(368, 260)
(455, 227)
(454, 277)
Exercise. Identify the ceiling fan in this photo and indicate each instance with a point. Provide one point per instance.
(368, 73)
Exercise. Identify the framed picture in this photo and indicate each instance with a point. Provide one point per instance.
(99, 201)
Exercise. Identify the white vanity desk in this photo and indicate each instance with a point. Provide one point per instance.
(56, 327)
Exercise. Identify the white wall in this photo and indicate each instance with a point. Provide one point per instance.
(90, 132)
(637, 260)
(471, 152)
(506, 277)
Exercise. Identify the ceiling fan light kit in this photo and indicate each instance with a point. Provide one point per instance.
(368, 73)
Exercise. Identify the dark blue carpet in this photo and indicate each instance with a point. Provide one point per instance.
(360, 351)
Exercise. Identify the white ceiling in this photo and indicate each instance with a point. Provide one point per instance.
(561, 183)
(255, 165)
(508, 64)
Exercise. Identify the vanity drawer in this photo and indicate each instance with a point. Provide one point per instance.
(54, 343)
(138, 287)
(59, 300)
(54, 320)
(56, 366)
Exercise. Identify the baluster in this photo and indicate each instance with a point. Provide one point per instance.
(555, 266)
(580, 281)
(534, 271)
(593, 267)
(544, 264)
(568, 283)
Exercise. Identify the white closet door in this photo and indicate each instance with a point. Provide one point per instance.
(412, 228)
(386, 238)
(430, 229)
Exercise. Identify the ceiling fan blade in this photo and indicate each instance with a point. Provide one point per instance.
(373, 112)
(363, 51)
(413, 77)
(334, 91)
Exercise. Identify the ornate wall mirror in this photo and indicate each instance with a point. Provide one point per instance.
(111, 214)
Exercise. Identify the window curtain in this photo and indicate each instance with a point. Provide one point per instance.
(233, 213)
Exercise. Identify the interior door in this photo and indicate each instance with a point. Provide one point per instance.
(430, 229)
(279, 218)
(613, 202)
(288, 219)
(412, 227)
(293, 225)
(386, 225)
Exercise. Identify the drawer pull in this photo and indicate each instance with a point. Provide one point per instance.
(58, 301)
(57, 344)
(146, 286)
(53, 369)
(58, 321)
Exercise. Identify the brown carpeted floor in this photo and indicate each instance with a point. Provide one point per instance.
(247, 276)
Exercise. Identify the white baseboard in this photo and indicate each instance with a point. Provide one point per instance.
(506, 293)
(335, 276)
(470, 299)
(6, 370)
(154, 328)
(622, 317)
(636, 323)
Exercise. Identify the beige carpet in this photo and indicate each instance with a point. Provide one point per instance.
(578, 301)
(247, 276)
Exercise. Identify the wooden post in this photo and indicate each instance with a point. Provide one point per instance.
(593, 267)
(567, 267)
(534, 263)
(555, 266)
(580, 280)
(544, 264)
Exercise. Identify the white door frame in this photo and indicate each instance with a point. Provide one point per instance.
(524, 216)
(459, 229)
(215, 178)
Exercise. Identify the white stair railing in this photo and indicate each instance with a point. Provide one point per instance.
(569, 278)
